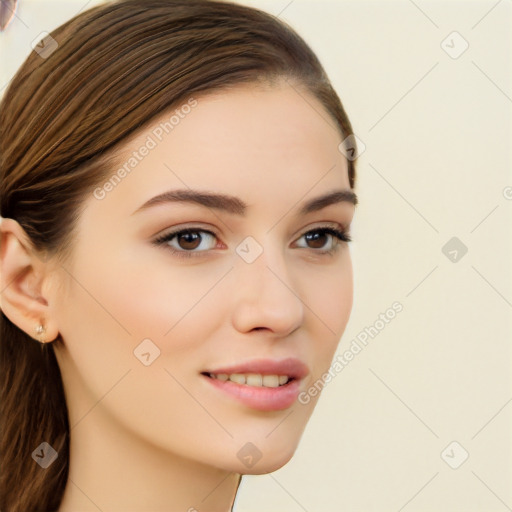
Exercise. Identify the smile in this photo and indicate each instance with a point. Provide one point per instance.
(264, 385)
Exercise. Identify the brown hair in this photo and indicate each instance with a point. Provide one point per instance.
(116, 68)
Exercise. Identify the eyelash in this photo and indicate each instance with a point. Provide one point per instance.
(340, 234)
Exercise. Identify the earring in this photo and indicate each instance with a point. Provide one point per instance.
(39, 331)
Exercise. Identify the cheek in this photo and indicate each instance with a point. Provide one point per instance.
(106, 317)
(329, 294)
(329, 299)
(176, 306)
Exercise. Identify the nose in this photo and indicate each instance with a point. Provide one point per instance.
(265, 297)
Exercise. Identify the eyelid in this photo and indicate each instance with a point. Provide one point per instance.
(180, 228)
(324, 225)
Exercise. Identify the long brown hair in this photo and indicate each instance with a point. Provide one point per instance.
(113, 69)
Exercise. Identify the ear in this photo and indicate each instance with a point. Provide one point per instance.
(23, 274)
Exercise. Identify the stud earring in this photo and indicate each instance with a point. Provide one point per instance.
(39, 331)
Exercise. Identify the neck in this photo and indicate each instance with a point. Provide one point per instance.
(112, 469)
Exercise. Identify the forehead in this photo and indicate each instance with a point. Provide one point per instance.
(251, 141)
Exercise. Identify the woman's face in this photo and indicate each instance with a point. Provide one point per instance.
(154, 323)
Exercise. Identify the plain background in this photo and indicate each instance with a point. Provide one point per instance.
(436, 165)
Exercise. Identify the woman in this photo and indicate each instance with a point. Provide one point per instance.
(176, 206)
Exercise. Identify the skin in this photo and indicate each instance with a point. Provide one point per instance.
(143, 437)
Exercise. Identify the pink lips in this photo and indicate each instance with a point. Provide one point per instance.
(262, 398)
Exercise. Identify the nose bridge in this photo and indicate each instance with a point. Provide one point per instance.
(265, 295)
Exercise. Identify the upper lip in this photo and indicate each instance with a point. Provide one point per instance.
(292, 367)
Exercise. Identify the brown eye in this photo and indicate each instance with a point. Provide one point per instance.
(323, 240)
(316, 239)
(189, 240)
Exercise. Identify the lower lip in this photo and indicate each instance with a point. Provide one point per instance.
(260, 398)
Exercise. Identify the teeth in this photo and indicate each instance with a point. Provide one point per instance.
(237, 377)
(272, 381)
(253, 379)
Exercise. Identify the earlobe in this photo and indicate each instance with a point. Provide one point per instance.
(21, 277)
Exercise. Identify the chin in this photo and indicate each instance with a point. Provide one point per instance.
(269, 459)
(265, 468)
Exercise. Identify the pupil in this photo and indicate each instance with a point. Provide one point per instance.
(189, 240)
(316, 240)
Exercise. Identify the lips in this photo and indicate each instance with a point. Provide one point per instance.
(263, 384)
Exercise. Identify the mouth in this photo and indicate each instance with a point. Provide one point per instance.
(265, 385)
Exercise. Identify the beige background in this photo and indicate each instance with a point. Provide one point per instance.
(437, 165)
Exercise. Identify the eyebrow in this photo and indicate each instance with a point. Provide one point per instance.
(236, 206)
